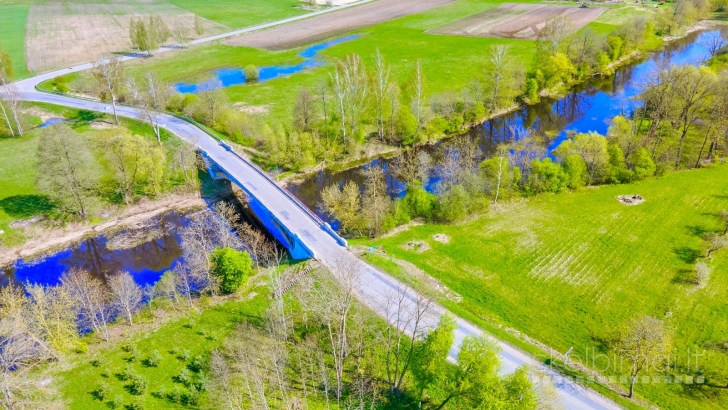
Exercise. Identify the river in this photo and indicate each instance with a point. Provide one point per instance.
(588, 107)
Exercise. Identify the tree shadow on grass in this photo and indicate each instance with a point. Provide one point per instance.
(684, 277)
(687, 255)
(697, 230)
(86, 116)
(25, 206)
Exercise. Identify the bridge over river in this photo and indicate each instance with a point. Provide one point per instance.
(304, 234)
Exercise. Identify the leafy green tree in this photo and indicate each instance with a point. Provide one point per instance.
(231, 267)
(419, 202)
(500, 175)
(66, 169)
(546, 176)
(454, 203)
(642, 164)
(575, 170)
(615, 47)
(251, 73)
(430, 364)
(618, 171)
(406, 125)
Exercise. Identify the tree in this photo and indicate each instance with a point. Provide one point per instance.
(211, 100)
(152, 97)
(126, 293)
(547, 176)
(199, 26)
(430, 364)
(702, 274)
(304, 112)
(344, 204)
(252, 74)
(148, 35)
(499, 172)
(576, 172)
(642, 164)
(11, 97)
(109, 74)
(691, 93)
(715, 243)
(503, 81)
(134, 161)
(350, 87)
(65, 169)
(714, 43)
(53, 316)
(92, 298)
(418, 94)
(382, 92)
(552, 35)
(231, 267)
(180, 32)
(645, 342)
(376, 204)
(407, 318)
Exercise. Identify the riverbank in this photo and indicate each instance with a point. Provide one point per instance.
(45, 241)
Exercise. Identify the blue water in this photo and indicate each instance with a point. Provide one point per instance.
(145, 262)
(590, 107)
(51, 121)
(235, 76)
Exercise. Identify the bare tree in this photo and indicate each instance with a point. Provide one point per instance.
(225, 384)
(148, 35)
(331, 304)
(555, 31)
(418, 94)
(126, 293)
(109, 74)
(702, 274)
(15, 310)
(502, 80)
(211, 100)
(715, 243)
(406, 316)
(152, 97)
(714, 42)
(180, 32)
(411, 165)
(304, 112)
(92, 298)
(547, 395)
(349, 82)
(376, 204)
(199, 26)
(11, 97)
(382, 91)
(52, 316)
(643, 342)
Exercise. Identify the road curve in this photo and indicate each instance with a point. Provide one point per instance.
(374, 286)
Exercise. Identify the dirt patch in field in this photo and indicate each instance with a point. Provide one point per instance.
(416, 246)
(251, 109)
(441, 237)
(327, 25)
(631, 200)
(62, 34)
(101, 125)
(518, 21)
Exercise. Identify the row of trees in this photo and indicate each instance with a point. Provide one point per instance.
(115, 165)
(150, 33)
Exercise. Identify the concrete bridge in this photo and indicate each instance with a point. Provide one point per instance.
(305, 235)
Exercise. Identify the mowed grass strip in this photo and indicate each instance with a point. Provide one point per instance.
(13, 18)
(569, 269)
(243, 13)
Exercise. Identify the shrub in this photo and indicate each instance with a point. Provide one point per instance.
(251, 73)
(138, 385)
(185, 355)
(231, 267)
(117, 402)
(128, 372)
(154, 359)
(642, 164)
(102, 391)
(175, 396)
(137, 404)
(184, 376)
(198, 363)
(419, 202)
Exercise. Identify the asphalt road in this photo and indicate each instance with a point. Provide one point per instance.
(374, 286)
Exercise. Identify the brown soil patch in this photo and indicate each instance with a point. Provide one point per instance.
(251, 109)
(327, 25)
(520, 21)
(100, 125)
(416, 246)
(631, 200)
(441, 237)
(64, 34)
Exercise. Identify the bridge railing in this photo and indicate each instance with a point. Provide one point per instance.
(311, 214)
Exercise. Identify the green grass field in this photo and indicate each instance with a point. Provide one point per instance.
(568, 269)
(449, 63)
(242, 13)
(200, 333)
(12, 34)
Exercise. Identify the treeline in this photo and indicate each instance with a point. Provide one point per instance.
(78, 172)
(681, 123)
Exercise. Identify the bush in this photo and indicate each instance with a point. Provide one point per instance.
(117, 402)
(419, 202)
(251, 73)
(137, 404)
(454, 204)
(128, 372)
(198, 364)
(154, 359)
(102, 391)
(455, 124)
(231, 267)
(406, 125)
(546, 176)
(575, 170)
(138, 385)
(175, 396)
(185, 355)
(642, 164)
(184, 376)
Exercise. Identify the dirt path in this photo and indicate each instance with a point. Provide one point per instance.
(327, 25)
(46, 241)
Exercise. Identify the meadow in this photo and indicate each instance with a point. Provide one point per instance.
(569, 269)
(12, 34)
(238, 14)
(449, 63)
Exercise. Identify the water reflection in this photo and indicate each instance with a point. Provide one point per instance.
(589, 107)
(236, 76)
(146, 262)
